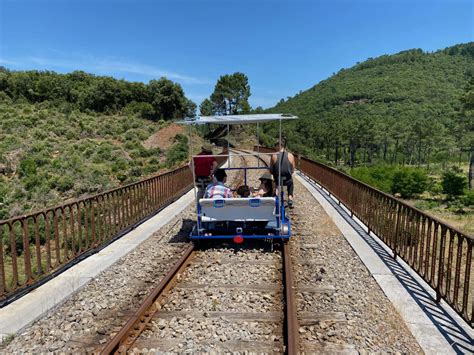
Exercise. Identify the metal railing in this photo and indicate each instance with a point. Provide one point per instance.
(441, 254)
(40, 245)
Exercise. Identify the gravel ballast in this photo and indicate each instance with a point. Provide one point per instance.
(217, 305)
(363, 316)
(87, 318)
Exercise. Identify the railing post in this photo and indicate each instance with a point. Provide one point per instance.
(441, 263)
(396, 232)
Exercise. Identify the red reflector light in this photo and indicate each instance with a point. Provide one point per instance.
(238, 239)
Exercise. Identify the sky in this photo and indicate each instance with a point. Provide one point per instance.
(283, 46)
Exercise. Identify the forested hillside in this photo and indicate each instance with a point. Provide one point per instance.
(67, 136)
(87, 92)
(402, 108)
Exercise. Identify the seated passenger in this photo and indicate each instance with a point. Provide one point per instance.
(218, 189)
(266, 188)
(204, 167)
(243, 191)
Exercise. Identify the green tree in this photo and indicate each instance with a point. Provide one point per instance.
(87, 92)
(466, 126)
(231, 95)
(205, 108)
(190, 108)
(167, 98)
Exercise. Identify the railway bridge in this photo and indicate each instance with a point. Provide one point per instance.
(363, 272)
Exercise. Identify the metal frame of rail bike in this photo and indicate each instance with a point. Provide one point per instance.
(241, 218)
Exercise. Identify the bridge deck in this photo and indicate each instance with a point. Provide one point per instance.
(87, 302)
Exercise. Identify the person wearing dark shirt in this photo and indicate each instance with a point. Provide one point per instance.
(287, 162)
(204, 168)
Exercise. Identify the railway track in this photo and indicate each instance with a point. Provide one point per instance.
(219, 297)
(228, 297)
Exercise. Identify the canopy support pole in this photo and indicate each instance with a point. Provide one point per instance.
(258, 148)
(192, 169)
(280, 188)
(228, 145)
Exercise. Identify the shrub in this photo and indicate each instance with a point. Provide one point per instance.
(31, 182)
(468, 199)
(143, 109)
(136, 171)
(409, 182)
(62, 183)
(3, 212)
(130, 135)
(153, 160)
(70, 134)
(131, 145)
(27, 167)
(121, 177)
(427, 204)
(178, 152)
(40, 159)
(456, 205)
(151, 168)
(453, 184)
(104, 152)
(379, 177)
(435, 187)
(120, 164)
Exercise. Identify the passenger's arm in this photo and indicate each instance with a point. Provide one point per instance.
(291, 159)
(274, 158)
(260, 191)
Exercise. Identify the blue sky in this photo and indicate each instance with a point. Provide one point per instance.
(283, 46)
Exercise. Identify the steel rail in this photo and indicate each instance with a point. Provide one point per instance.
(122, 341)
(129, 333)
(291, 320)
(125, 338)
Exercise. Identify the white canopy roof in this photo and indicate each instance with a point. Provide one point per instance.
(239, 119)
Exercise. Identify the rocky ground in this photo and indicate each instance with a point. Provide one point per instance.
(362, 317)
(218, 303)
(87, 318)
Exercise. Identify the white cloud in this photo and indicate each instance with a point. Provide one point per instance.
(7, 62)
(104, 66)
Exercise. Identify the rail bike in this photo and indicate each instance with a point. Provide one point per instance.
(240, 218)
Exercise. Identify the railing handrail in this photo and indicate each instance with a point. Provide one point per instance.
(389, 196)
(92, 197)
(86, 198)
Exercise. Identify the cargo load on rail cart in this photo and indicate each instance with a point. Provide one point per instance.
(240, 218)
